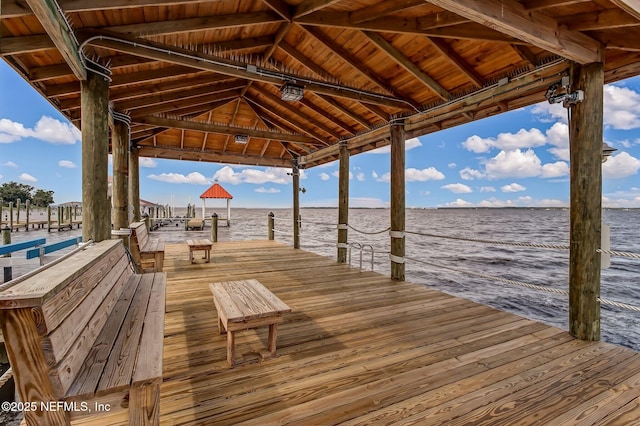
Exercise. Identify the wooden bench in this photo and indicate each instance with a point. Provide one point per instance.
(85, 336)
(148, 253)
(200, 245)
(247, 304)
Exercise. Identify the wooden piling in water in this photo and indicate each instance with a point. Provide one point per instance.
(296, 205)
(343, 203)
(585, 135)
(397, 199)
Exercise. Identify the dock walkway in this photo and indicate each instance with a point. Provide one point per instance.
(361, 349)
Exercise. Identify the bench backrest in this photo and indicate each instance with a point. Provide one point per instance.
(139, 238)
(52, 319)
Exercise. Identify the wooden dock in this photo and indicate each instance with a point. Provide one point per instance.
(361, 349)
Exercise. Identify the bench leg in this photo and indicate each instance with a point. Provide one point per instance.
(231, 347)
(159, 261)
(273, 335)
(144, 404)
(190, 256)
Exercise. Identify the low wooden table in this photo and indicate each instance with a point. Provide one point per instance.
(202, 244)
(246, 304)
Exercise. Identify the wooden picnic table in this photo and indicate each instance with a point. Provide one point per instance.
(246, 304)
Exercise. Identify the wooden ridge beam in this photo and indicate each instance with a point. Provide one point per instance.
(54, 24)
(511, 18)
(211, 156)
(226, 130)
(407, 64)
(279, 7)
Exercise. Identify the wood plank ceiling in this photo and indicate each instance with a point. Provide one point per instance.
(192, 74)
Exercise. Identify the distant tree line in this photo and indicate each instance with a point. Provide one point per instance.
(11, 192)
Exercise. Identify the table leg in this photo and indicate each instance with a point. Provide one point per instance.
(231, 348)
(273, 335)
(190, 256)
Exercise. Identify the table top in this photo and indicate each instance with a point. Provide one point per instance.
(246, 300)
(200, 242)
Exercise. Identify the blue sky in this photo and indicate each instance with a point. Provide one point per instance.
(520, 158)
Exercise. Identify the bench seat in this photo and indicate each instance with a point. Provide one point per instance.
(90, 331)
(148, 253)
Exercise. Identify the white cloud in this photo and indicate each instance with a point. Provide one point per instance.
(629, 198)
(457, 188)
(336, 174)
(26, 177)
(513, 187)
(192, 178)
(324, 176)
(10, 164)
(514, 164)
(360, 177)
(148, 163)
(506, 141)
(558, 136)
(416, 175)
(493, 202)
(553, 170)
(409, 144)
(384, 178)
(46, 129)
(621, 165)
(452, 165)
(67, 164)
(487, 189)
(550, 112)
(267, 190)
(259, 177)
(470, 174)
(459, 203)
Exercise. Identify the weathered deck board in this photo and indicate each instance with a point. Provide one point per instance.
(362, 349)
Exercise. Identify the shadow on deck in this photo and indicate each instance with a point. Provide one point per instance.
(362, 349)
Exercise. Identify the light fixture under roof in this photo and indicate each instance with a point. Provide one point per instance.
(291, 92)
(242, 139)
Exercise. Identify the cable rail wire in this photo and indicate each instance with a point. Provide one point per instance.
(370, 233)
(282, 232)
(508, 243)
(527, 285)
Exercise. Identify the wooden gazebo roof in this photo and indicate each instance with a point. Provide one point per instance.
(192, 74)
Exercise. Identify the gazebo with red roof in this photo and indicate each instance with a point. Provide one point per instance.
(216, 191)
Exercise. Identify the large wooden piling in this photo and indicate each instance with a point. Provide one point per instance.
(134, 182)
(296, 205)
(96, 223)
(120, 151)
(397, 199)
(585, 134)
(343, 204)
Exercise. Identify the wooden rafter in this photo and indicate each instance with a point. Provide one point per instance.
(54, 23)
(599, 20)
(510, 17)
(227, 130)
(407, 64)
(310, 6)
(193, 104)
(166, 53)
(632, 7)
(453, 57)
(383, 8)
(279, 7)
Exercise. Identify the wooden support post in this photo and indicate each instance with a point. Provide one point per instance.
(18, 205)
(28, 212)
(585, 135)
(120, 150)
(49, 218)
(6, 239)
(271, 223)
(343, 203)
(11, 215)
(94, 97)
(134, 182)
(214, 227)
(397, 199)
(296, 204)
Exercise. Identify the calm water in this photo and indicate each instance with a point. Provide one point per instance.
(448, 259)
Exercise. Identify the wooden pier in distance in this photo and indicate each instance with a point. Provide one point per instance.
(360, 348)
